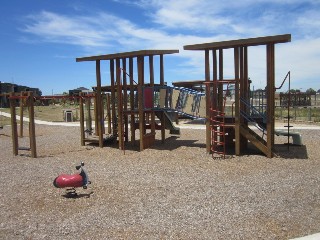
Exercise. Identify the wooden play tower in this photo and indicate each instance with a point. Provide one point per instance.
(128, 105)
(218, 124)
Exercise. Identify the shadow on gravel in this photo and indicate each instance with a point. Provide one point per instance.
(74, 196)
(173, 142)
(291, 152)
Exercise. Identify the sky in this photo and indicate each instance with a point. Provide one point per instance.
(41, 39)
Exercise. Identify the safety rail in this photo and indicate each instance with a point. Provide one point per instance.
(253, 115)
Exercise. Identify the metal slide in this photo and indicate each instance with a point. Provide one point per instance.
(168, 122)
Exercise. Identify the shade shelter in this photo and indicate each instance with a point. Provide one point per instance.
(123, 93)
(216, 84)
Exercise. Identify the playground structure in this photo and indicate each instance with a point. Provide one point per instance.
(137, 104)
(123, 105)
(221, 129)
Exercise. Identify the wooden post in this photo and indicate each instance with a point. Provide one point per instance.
(113, 99)
(208, 101)
(214, 96)
(243, 93)
(88, 108)
(237, 99)
(99, 105)
(132, 121)
(14, 130)
(220, 85)
(119, 105)
(95, 111)
(270, 98)
(151, 69)
(32, 132)
(140, 101)
(82, 136)
(163, 121)
(102, 113)
(125, 98)
(21, 114)
(109, 113)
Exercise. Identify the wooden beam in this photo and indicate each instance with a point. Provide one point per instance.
(241, 42)
(133, 54)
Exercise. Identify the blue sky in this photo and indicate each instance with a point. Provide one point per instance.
(40, 39)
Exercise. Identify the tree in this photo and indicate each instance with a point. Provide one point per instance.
(311, 91)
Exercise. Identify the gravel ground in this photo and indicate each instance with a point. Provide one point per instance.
(171, 191)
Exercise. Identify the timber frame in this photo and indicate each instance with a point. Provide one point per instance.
(241, 81)
(118, 75)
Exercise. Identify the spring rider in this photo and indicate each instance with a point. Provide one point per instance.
(73, 181)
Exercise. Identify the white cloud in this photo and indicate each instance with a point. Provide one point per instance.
(176, 23)
(83, 31)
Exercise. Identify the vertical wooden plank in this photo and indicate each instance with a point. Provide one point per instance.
(151, 70)
(132, 120)
(119, 104)
(163, 121)
(109, 113)
(208, 101)
(21, 114)
(140, 101)
(270, 98)
(220, 85)
(214, 92)
(14, 130)
(32, 130)
(95, 110)
(102, 113)
(99, 104)
(125, 98)
(82, 136)
(237, 97)
(113, 99)
(88, 108)
(243, 91)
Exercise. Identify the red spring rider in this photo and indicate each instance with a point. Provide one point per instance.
(71, 182)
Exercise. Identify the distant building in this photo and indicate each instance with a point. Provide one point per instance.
(6, 88)
(77, 91)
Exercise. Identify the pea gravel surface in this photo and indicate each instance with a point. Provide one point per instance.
(173, 190)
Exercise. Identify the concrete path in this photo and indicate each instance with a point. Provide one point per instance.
(278, 125)
(315, 236)
(69, 124)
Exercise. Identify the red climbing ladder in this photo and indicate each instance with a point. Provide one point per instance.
(218, 121)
